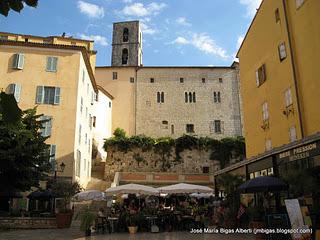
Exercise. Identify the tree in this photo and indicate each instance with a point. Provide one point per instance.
(16, 5)
(24, 155)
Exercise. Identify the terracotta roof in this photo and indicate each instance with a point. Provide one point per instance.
(105, 92)
(83, 50)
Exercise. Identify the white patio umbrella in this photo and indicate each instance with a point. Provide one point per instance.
(133, 189)
(90, 195)
(202, 195)
(185, 188)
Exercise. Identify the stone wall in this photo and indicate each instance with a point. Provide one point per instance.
(27, 222)
(137, 160)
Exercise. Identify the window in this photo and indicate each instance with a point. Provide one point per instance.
(46, 126)
(299, 3)
(15, 89)
(268, 145)
(181, 80)
(90, 121)
(18, 61)
(288, 97)
(190, 97)
(282, 51)
(152, 80)
(92, 97)
(78, 165)
(52, 64)
(125, 37)
(114, 75)
(292, 134)
(48, 95)
(265, 111)
(87, 88)
(81, 105)
(203, 80)
(205, 169)
(94, 121)
(125, 56)
(261, 75)
(96, 96)
(85, 139)
(132, 80)
(89, 146)
(277, 15)
(216, 97)
(172, 129)
(190, 128)
(165, 124)
(52, 154)
(109, 104)
(79, 140)
(160, 97)
(26, 39)
(217, 126)
(83, 76)
(220, 80)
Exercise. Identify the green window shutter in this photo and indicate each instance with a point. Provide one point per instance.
(20, 62)
(54, 64)
(52, 159)
(57, 96)
(40, 94)
(49, 64)
(43, 128)
(49, 126)
(17, 91)
(15, 61)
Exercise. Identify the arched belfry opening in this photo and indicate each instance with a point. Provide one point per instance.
(125, 56)
(125, 36)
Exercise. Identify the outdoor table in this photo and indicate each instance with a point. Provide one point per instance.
(112, 220)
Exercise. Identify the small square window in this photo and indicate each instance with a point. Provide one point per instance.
(132, 80)
(203, 80)
(220, 80)
(190, 128)
(152, 80)
(217, 126)
(261, 75)
(114, 75)
(181, 80)
(205, 169)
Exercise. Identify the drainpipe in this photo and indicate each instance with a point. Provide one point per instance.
(293, 69)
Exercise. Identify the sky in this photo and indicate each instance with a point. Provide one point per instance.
(175, 32)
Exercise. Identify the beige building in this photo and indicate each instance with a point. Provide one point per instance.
(56, 75)
(168, 101)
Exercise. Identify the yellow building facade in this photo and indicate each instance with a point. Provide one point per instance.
(278, 74)
(58, 78)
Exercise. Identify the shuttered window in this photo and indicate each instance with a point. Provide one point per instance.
(52, 64)
(288, 97)
(282, 51)
(78, 163)
(292, 134)
(261, 75)
(217, 126)
(52, 159)
(48, 95)
(15, 89)
(46, 126)
(18, 61)
(265, 111)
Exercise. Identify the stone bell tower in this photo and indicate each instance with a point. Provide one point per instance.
(126, 44)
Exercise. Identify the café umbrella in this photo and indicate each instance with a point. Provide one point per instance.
(263, 184)
(94, 195)
(132, 189)
(185, 188)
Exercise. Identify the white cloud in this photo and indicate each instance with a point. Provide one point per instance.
(139, 10)
(146, 29)
(91, 10)
(127, 1)
(181, 40)
(96, 38)
(251, 6)
(204, 43)
(183, 21)
(239, 41)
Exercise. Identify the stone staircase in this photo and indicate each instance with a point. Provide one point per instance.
(97, 178)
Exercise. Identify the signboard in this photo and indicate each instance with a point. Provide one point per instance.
(302, 152)
(295, 215)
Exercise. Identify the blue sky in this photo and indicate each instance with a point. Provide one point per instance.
(175, 32)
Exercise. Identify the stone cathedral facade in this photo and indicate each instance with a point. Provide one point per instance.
(168, 101)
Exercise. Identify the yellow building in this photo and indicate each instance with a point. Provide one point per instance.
(56, 74)
(279, 74)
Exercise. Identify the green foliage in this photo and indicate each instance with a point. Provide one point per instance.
(222, 150)
(64, 189)
(16, 5)
(24, 155)
(86, 218)
(94, 152)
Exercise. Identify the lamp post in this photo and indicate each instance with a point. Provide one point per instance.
(62, 167)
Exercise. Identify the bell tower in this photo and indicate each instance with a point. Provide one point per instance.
(126, 44)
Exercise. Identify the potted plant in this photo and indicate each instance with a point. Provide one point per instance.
(87, 219)
(64, 190)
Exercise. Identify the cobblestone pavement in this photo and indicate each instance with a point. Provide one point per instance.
(75, 234)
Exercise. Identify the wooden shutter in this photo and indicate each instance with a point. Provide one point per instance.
(48, 126)
(15, 61)
(52, 158)
(17, 91)
(56, 95)
(54, 64)
(40, 94)
(20, 61)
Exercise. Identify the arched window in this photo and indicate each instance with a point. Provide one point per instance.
(162, 97)
(190, 97)
(124, 56)
(125, 35)
(186, 97)
(194, 97)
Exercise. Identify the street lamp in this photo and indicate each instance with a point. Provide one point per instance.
(62, 167)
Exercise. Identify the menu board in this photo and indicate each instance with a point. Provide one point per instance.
(295, 215)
